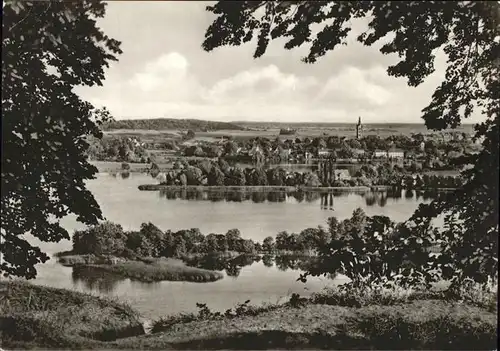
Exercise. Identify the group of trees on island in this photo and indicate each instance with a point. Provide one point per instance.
(110, 239)
(220, 173)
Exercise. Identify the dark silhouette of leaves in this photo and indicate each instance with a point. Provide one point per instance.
(48, 48)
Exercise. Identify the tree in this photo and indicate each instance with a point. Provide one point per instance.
(102, 239)
(354, 143)
(230, 148)
(345, 151)
(236, 176)
(268, 244)
(224, 166)
(205, 166)
(183, 179)
(154, 236)
(312, 180)
(276, 176)
(259, 177)
(45, 124)
(190, 134)
(194, 175)
(213, 151)
(233, 236)
(282, 241)
(320, 143)
(216, 177)
(246, 246)
(211, 244)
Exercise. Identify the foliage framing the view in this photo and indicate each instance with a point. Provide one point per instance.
(468, 32)
(48, 48)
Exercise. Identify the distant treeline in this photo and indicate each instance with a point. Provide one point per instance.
(170, 123)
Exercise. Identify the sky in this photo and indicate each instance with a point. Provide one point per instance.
(164, 72)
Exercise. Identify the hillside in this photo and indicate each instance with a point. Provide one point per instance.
(171, 123)
(397, 128)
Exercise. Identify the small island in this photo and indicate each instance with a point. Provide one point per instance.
(151, 254)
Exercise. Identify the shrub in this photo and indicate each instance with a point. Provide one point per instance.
(103, 239)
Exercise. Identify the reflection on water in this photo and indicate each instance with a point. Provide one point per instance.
(326, 199)
(95, 280)
(232, 265)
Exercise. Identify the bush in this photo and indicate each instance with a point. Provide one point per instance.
(103, 239)
(125, 166)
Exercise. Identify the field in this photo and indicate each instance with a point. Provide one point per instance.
(382, 129)
(271, 131)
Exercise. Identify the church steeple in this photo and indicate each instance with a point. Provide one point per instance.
(359, 127)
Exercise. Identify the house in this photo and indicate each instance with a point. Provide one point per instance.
(342, 174)
(323, 152)
(395, 153)
(380, 153)
(358, 152)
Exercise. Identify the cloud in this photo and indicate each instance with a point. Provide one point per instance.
(263, 85)
(174, 77)
(167, 87)
(353, 86)
(166, 78)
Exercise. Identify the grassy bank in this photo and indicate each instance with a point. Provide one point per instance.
(70, 259)
(423, 324)
(339, 319)
(37, 316)
(158, 270)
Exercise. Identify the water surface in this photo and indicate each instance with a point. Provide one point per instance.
(256, 216)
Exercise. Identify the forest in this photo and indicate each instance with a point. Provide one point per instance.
(170, 123)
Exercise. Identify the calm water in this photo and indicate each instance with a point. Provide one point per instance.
(256, 216)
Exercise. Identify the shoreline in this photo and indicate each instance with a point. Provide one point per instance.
(361, 188)
(154, 187)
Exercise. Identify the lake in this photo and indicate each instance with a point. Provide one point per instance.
(255, 215)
